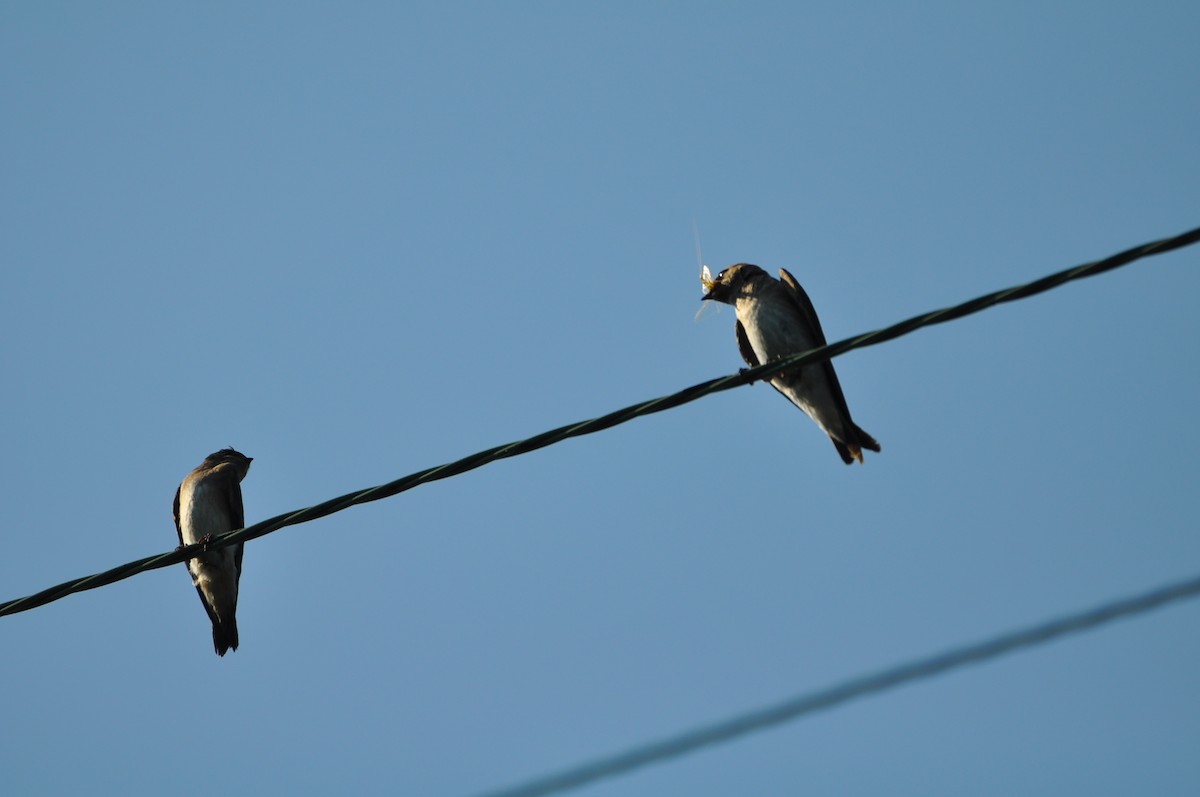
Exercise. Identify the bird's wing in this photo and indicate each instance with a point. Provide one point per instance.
(744, 345)
(237, 517)
(175, 511)
(803, 304)
(809, 314)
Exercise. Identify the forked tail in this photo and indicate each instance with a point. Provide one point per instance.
(851, 450)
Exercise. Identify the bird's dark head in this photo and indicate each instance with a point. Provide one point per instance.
(235, 458)
(727, 286)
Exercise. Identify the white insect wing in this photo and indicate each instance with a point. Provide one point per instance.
(706, 278)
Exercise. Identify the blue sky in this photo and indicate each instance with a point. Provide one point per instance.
(357, 240)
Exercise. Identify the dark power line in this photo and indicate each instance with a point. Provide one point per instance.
(603, 422)
(794, 708)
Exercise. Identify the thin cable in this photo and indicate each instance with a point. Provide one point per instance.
(794, 708)
(608, 421)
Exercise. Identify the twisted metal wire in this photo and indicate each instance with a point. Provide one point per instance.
(608, 421)
(794, 708)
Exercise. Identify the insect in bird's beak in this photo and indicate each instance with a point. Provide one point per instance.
(706, 278)
(707, 282)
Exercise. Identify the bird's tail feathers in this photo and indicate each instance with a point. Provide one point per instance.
(851, 450)
(225, 636)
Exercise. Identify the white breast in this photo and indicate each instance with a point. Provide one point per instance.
(774, 329)
(201, 512)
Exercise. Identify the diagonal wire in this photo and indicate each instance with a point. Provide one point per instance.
(608, 421)
(794, 708)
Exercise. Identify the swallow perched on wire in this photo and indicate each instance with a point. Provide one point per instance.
(775, 319)
(208, 502)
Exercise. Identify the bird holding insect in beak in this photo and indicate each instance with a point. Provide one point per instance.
(775, 319)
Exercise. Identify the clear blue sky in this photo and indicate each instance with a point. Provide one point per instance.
(357, 240)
